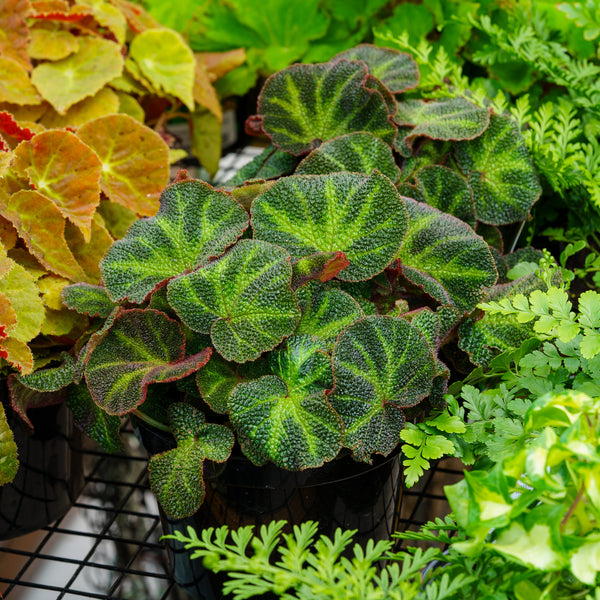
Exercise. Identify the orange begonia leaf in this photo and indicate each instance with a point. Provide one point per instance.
(204, 92)
(8, 317)
(137, 18)
(57, 11)
(41, 225)
(15, 86)
(105, 102)
(10, 127)
(8, 234)
(134, 161)
(67, 81)
(14, 33)
(49, 6)
(65, 170)
(18, 354)
(220, 63)
(167, 61)
(108, 16)
(52, 44)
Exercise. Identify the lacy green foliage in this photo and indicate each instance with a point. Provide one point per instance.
(9, 461)
(244, 300)
(176, 475)
(195, 222)
(363, 217)
(305, 105)
(269, 164)
(140, 348)
(87, 299)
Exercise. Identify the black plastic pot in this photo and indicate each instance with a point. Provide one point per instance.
(50, 475)
(342, 493)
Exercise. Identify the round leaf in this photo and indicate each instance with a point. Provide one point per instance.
(363, 217)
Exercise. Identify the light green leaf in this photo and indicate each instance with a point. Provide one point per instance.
(9, 462)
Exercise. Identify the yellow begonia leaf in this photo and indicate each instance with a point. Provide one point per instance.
(134, 74)
(108, 16)
(220, 63)
(128, 105)
(134, 161)
(204, 92)
(52, 44)
(88, 255)
(8, 234)
(65, 170)
(31, 264)
(67, 81)
(18, 354)
(15, 85)
(105, 102)
(42, 227)
(167, 61)
(25, 113)
(14, 33)
(50, 288)
(206, 139)
(21, 290)
(117, 218)
(6, 158)
(8, 317)
(63, 322)
(176, 154)
(137, 18)
(126, 82)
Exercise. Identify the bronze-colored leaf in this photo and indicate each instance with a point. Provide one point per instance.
(15, 33)
(137, 18)
(220, 63)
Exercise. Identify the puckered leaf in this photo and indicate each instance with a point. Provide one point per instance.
(195, 222)
(244, 300)
(65, 170)
(216, 382)
(52, 44)
(398, 71)
(322, 266)
(139, 347)
(166, 61)
(380, 365)
(305, 105)
(134, 161)
(16, 34)
(67, 81)
(285, 418)
(176, 475)
(15, 85)
(91, 300)
(446, 258)
(270, 163)
(326, 312)
(500, 171)
(355, 152)
(363, 217)
(443, 119)
(9, 461)
(51, 379)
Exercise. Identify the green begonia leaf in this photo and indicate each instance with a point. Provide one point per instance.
(195, 222)
(326, 312)
(87, 299)
(322, 266)
(286, 418)
(50, 379)
(380, 364)
(501, 173)
(216, 382)
(363, 217)
(446, 258)
(398, 71)
(9, 461)
(244, 300)
(270, 163)
(355, 152)
(176, 475)
(443, 119)
(92, 420)
(305, 105)
(138, 348)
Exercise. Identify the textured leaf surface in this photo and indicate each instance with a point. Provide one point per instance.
(50, 379)
(140, 347)
(194, 223)
(15, 85)
(167, 61)
(9, 461)
(322, 266)
(363, 217)
(380, 365)
(443, 119)
(65, 170)
(244, 300)
(285, 418)
(134, 161)
(67, 81)
(270, 163)
(305, 105)
(446, 258)
(91, 300)
(397, 70)
(216, 382)
(355, 152)
(500, 171)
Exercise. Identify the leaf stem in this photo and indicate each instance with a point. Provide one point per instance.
(572, 507)
(150, 421)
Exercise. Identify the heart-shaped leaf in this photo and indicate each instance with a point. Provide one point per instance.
(86, 299)
(9, 461)
(176, 475)
(380, 364)
(501, 173)
(285, 418)
(363, 217)
(132, 178)
(270, 163)
(398, 71)
(355, 152)
(446, 258)
(139, 347)
(244, 300)
(195, 222)
(305, 105)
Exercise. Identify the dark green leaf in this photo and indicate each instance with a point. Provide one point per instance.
(91, 300)
(51, 379)
(322, 266)
(270, 163)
